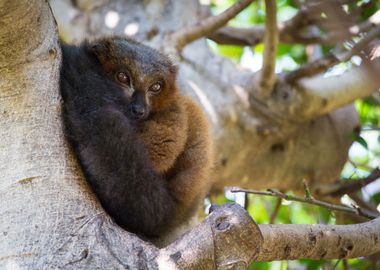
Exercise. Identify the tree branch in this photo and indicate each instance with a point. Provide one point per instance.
(228, 35)
(185, 36)
(308, 200)
(275, 211)
(331, 60)
(227, 239)
(346, 187)
(267, 77)
(321, 95)
(251, 36)
(290, 32)
(289, 242)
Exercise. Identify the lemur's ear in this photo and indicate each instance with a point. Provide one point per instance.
(100, 48)
(174, 68)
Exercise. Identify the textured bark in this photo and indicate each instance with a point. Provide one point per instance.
(50, 219)
(319, 242)
(274, 144)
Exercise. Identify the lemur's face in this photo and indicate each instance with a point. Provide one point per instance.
(146, 76)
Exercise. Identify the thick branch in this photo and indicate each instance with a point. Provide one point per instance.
(227, 239)
(267, 76)
(316, 242)
(321, 95)
(185, 36)
(205, 246)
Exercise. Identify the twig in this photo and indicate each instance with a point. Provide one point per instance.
(276, 210)
(352, 186)
(267, 77)
(307, 190)
(202, 29)
(364, 205)
(331, 60)
(342, 208)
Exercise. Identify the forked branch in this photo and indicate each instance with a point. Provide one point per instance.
(331, 60)
(187, 35)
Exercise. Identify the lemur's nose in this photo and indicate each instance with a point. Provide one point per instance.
(138, 110)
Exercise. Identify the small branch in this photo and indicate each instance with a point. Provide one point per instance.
(307, 190)
(185, 36)
(346, 187)
(364, 205)
(341, 208)
(276, 210)
(267, 77)
(331, 60)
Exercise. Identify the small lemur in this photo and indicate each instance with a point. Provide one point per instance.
(145, 148)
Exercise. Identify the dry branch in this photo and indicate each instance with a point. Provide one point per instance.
(309, 200)
(185, 36)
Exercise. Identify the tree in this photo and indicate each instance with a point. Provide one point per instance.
(50, 217)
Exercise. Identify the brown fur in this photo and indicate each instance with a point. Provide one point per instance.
(173, 175)
(180, 146)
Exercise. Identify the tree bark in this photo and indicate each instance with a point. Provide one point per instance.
(50, 217)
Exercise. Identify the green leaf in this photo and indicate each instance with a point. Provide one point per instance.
(359, 139)
(376, 198)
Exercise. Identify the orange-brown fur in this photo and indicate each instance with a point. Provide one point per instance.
(180, 146)
(164, 134)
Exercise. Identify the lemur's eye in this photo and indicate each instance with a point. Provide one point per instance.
(156, 87)
(122, 77)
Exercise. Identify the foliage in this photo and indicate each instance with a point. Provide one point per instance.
(364, 154)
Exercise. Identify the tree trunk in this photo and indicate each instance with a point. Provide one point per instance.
(51, 219)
